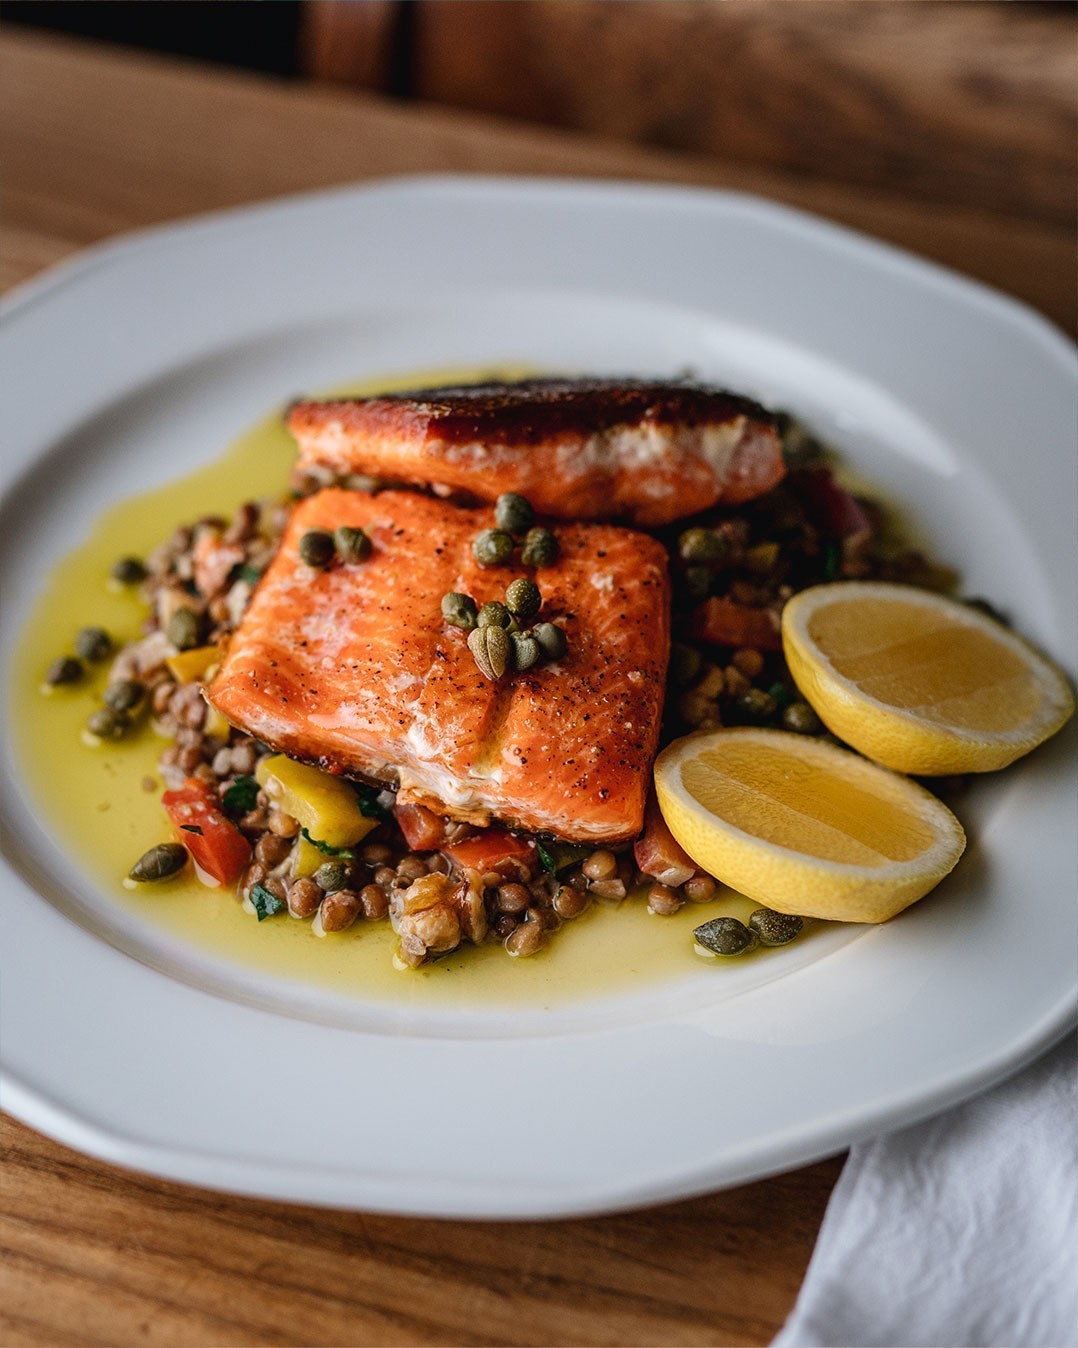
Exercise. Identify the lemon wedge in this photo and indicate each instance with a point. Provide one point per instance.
(805, 827)
(917, 682)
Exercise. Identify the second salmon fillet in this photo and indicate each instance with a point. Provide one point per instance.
(353, 668)
(649, 453)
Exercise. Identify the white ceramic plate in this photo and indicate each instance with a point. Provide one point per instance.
(955, 400)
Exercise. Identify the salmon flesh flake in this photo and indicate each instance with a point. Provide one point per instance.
(352, 668)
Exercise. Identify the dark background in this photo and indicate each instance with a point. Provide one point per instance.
(259, 36)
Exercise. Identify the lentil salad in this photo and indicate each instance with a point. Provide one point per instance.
(733, 569)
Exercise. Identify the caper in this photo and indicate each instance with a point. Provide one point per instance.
(801, 719)
(185, 629)
(523, 600)
(526, 650)
(551, 640)
(493, 614)
(775, 928)
(492, 547)
(353, 545)
(93, 643)
(725, 936)
(459, 610)
(755, 705)
(333, 875)
(316, 548)
(107, 724)
(128, 571)
(491, 648)
(159, 862)
(782, 695)
(513, 513)
(685, 662)
(124, 694)
(701, 545)
(64, 670)
(697, 581)
(540, 548)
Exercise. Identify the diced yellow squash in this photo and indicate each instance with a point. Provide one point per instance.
(193, 664)
(325, 806)
(306, 858)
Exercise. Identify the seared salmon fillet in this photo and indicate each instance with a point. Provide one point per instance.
(352, 668)
(648, 453)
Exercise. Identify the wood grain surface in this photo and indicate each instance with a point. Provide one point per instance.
(94, 1255)
(963, 104)
(97, 142)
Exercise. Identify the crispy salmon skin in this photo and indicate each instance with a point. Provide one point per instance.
(353, 668)
(648, 453)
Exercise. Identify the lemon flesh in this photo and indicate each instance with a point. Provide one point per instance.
(805, 827)
(917, 682)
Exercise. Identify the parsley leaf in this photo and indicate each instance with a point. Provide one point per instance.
(266, 904)
(369, 805)
(545, 857)
(241, 797)
(325, 848)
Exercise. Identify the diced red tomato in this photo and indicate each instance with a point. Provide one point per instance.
(424, 831)
(218, 847)
(487, 850)
(838, 511)
(658, 853)
(727, 623)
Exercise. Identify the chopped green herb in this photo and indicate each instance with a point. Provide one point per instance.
(325, 848)
(546, 859)
(192, 828)
(241, 797)
(265, 903)
(369, 805)
(250, 574)
(569, 854)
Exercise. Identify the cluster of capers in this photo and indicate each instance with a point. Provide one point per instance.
(317, 548)
(92, 645)
(728, 936)
(499, 635)
(515, 521)
(121, 697)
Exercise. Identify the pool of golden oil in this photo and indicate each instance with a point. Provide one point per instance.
(103, 803)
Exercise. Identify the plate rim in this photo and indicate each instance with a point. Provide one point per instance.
(34, 1107)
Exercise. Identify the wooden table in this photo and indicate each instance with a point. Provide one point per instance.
(98, 141)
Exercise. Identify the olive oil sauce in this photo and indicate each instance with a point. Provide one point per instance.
(102, 803)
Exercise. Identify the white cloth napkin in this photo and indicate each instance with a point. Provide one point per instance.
(961, 1232)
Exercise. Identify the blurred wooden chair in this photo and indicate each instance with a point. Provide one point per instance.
(971, 103)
